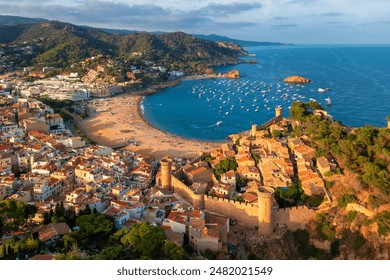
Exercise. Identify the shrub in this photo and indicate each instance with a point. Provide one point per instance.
(325, 230)
(328, 174)
(383, 222)
(345, 199)
(351, 216)
(315, 201)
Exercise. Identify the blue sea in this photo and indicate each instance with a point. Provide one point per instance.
(358, 79)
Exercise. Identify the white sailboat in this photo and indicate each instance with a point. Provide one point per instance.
(328, 101)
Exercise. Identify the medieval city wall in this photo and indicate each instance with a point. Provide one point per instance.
(293, 218)
(184, 191)
(244, 213)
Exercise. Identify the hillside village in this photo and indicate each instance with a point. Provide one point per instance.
(273, 191)
(221, 200)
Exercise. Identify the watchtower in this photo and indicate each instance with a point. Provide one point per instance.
(166, 172)
(278, 111)
(254, 130)
(265, 212)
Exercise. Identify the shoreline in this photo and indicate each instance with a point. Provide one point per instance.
(119, 119)
(140, 113)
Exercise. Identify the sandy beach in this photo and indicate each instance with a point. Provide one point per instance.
(118, 120)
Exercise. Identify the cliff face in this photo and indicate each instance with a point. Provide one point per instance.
(233, 46)
(350, 243)
(297, 80)
(234, 74)
(285, 248)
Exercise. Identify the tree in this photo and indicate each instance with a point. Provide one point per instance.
(276, 133)
(298, 111)
(173, 252)
(116, 237)
(14, 214)
(112, 253)
(345, 199)
(74, 255)
(94, 229)
(146, 239)
(86, 211)
(30, 244)
(383, 222)
(70, 241)
(59, 210)
(46, 218)
(70, 218)
(256, 157)
(225, 165)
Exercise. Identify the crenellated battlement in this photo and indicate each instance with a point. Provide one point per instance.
(298, 207)
(249, 214)
(231, 201)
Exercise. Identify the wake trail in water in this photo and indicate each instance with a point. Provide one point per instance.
(209, 126)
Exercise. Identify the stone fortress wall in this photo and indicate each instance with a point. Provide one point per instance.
(293, 217)
(245, 213)
(262, 215)
(267, 219)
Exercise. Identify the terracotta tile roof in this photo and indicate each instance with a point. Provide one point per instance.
(51, 230)
(197, 224)
(210, 231)
(249, 197)
(215, 219)
(197, 170)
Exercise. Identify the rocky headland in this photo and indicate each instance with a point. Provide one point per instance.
(234, 74)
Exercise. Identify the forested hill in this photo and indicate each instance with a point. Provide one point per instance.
(243, 43)
(15, 20)
(61, 44)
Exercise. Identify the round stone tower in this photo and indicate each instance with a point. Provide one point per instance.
(278, 111)
(166, 171)
(265, 214)
(254, 130)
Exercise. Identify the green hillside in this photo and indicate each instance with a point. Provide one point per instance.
(62, 44)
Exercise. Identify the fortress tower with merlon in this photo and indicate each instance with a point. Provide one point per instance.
(261, 214)
(278, 111)
(166, 172)
(265, 211)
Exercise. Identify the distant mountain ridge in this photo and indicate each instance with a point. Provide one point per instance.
(15, 20)
(243, 43)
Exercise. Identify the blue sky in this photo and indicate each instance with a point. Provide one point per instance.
(295, 21)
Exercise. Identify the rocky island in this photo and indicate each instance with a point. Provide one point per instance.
(297, 80)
